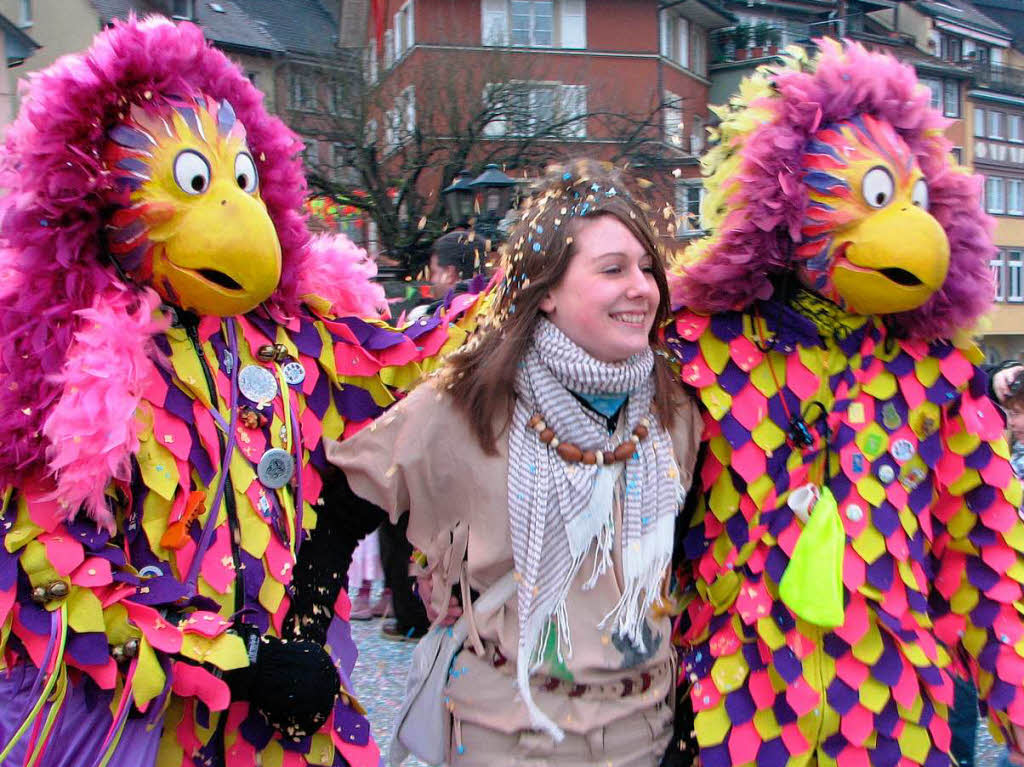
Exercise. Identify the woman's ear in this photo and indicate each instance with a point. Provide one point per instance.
(547, 304)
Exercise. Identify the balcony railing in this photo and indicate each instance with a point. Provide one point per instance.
(997, 77)
(745, 41)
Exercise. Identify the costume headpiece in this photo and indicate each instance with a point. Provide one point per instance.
(758, 183)
(61, 189)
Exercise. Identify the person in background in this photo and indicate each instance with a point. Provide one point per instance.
(364, 571)
(454, 259)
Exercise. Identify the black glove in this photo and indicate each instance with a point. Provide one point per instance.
(683, 750)
(292, 683)
(322, 567)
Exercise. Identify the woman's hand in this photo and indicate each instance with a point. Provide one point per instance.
(425, 589)
(1001, 382)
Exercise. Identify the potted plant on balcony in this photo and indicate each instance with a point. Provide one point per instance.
(741, 39)
(760, 38)
(773, 40)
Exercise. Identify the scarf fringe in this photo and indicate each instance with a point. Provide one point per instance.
(643, 566)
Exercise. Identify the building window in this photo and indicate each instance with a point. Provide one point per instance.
(339, 163)
(400, 121)
(536, 109)
(389, 48)
(675, 38)
(407, 104)
(958, 155)
(25, 15)
(533, 109)
(996, 128)
(309, 154)
(531, 22)
(183, 9)
(370, 66)
(1014, 269)
(392, 126)
(995, 201)
(951, 47)
(699, 54)
(338, 99)
(254, 77)
(1014, 203)
(688, 198)
(951, 98)
(303, 92)
(935, 86)
(405, 35)
(997, 265)
(1013, 128)
(534, 23)
(673, 113)
(979, 122)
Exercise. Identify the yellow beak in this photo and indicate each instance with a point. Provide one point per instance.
(893, 261)
(224, 258)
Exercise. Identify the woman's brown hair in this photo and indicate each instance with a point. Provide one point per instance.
(480, 377)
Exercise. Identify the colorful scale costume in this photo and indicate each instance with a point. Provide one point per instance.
(810, 383)
(164, 466)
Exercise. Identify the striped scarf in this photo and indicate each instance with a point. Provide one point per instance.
(559, 510)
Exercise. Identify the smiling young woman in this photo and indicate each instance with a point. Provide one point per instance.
(554, 445)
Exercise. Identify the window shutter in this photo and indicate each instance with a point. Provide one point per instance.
(495, 127)
(664, 27)
(493, 22)
(410, 25)
(673, 114)
(389, 49)
(683, 43)
(399, 27)
(574, 97)
(410, 110)
(574, 23)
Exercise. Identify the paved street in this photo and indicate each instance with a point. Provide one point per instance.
(379, 679)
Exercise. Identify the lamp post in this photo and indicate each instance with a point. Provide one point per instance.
(495, 189)
(458, 198)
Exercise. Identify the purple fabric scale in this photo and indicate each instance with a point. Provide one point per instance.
(80, 729)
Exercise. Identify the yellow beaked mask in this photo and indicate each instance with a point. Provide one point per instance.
(868, 242)
(193, 226)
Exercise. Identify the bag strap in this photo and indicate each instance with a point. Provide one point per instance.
(487, 603)
(469, 612)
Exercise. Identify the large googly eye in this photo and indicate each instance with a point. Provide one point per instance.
(245, 172)
(920, 194)
(192, 172)
(878, 187)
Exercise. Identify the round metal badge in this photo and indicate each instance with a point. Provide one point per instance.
(275, 468)
(902, 450)
(257, 384)
(886, 473)
(294, 373)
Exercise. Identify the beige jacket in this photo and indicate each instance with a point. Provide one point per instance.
(422, 457)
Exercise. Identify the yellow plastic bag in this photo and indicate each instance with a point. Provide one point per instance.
(812, 586)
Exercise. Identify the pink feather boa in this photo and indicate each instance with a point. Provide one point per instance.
(342, 273)
(93, 430)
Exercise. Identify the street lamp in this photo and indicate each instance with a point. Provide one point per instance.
(458, 198)
(495, 189)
